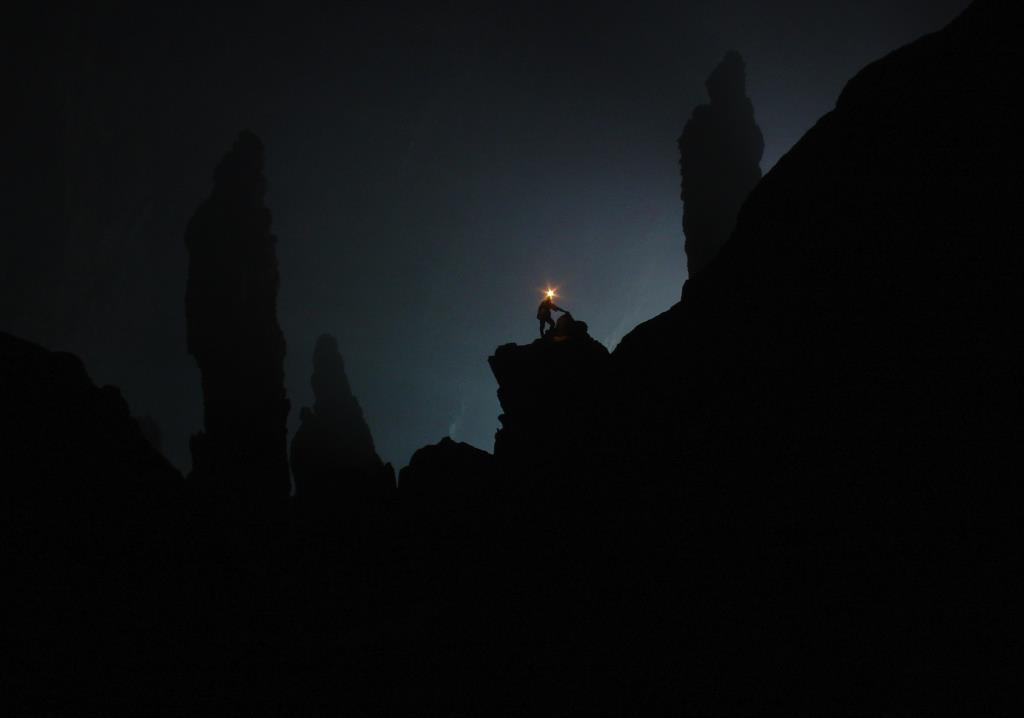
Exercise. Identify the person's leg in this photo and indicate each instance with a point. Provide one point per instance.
(541, 328)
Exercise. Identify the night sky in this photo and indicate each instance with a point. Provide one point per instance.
(430, 171)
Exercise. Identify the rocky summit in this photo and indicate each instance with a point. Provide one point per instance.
(792, 493)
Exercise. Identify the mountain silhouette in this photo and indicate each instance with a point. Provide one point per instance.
(792, 493)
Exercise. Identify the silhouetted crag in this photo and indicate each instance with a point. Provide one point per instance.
(448, 472)
(552, 393)
(57, 425)
(794, 493)
(333, 458)
(233, 333)
(719, 159)
(835, 403)
(89, 526)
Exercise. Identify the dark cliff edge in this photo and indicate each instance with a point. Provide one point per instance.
(58, 424)
(793, 493)
(871, 283)
(91, 506)
(835, 402)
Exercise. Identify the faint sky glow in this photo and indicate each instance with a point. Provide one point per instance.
(432, 171)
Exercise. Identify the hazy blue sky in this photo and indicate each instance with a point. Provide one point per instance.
(430, 172)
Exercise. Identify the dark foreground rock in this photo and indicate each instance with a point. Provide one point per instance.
(835, 403)
(551, 393)
(90, 525)
(794, 493)
(448, 472)
(58, 424)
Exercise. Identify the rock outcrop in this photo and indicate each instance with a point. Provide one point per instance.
(233, 333)
(334, 462)
(552, 394)
(719, 159)
(62, 434)
(866, 293)
(813, 461)
(90, 525)
(447, 473)
(840, 391)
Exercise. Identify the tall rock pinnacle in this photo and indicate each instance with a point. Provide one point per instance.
(234, 335)
(333, 456)
(719, 159)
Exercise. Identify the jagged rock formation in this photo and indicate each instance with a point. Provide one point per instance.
(840, 391)
(550, 394)
(447, 472)
(719, 160)
(333, 458)
(813, 461)
(90, 509)
(63, 434)
(868, 269)
(233, 333)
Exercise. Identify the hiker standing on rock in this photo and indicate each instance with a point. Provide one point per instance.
(545, 309)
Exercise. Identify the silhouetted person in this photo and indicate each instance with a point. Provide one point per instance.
(544, 313)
